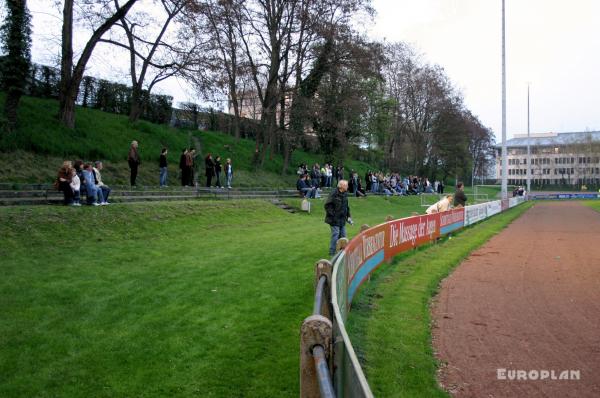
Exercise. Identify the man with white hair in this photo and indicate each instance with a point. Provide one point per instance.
(337, 213)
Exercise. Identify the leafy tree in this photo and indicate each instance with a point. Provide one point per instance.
(15, 34)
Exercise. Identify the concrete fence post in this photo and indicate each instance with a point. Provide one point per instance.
(316, 330)
(341, 244)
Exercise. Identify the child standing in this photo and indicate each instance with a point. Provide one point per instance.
(75, 186)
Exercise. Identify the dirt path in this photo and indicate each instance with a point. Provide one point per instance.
(529, 300)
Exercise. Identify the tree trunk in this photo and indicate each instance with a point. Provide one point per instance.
(71, 77)
(136, 110)
(11, 105)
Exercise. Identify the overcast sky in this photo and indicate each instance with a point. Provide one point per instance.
(554, 45)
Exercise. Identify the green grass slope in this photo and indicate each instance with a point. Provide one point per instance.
(36, 151)
(161, 299)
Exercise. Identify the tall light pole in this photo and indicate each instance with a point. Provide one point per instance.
(528, 146)
(504, 152)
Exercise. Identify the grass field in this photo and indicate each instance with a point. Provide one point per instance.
(161, 299)
(390, 320)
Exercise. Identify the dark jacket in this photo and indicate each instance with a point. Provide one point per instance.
(460, 198)
(337, 210)
(210, 167)
(162, 161)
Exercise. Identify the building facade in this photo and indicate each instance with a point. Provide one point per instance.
(556, 159)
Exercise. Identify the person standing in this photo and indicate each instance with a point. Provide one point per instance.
(218, 171)
(460, 199)
(228, 170)
(189, 162)
(134, 161)
(162, 164)
(337, 213)
(182, 167)
(210, 169)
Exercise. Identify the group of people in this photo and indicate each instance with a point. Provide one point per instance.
(213, 169)
(337, 209)
(311, 181)
(75, 179)
(459, 199)
(321, 176)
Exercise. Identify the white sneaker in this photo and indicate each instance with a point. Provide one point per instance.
(104, 204)
(95, 204)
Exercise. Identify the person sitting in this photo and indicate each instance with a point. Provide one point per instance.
(104, 189)
(63, 182)
(93, 192)
(75, 187)
(440, 206)
(304, 188)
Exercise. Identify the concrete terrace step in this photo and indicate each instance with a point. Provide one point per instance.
(51, 196)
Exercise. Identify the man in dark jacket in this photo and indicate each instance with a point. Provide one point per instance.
(460, 199)
(337, 213)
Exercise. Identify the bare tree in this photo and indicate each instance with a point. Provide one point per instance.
(171, 56)
(71, 76)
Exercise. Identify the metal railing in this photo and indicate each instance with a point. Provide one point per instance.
(329, 366)
(316, 339)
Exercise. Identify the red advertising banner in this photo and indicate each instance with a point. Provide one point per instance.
(407, 233)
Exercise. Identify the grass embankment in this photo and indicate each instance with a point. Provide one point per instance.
(390, 320)
(161, 299)
(35, 152)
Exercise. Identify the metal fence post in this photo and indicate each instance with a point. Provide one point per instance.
(316, 331)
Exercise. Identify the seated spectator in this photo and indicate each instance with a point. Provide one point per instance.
(93, 193)
(75, 187)
(305, 188)
(440, 206)
(63, 182)
(105, 189)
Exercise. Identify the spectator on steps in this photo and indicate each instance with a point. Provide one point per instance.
(210, 169)
(162, 165)
(183, 168)
(191, 165)
(103, 188)
(94, 197)
(228, 170)
(63, 182)
(75, 187)
(305, 188)
(133, 158)
(218, 171)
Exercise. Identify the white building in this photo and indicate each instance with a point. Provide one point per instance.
(556, 159)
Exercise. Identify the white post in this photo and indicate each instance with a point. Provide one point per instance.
(528, 146)
(504, 151)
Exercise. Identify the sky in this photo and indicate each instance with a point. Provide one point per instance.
(554, 46)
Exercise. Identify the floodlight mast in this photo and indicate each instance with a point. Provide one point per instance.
(504, 152)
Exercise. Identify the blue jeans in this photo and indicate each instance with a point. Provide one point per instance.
(105, 191)
(336, 233)
(229, 179)
(163, 176)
